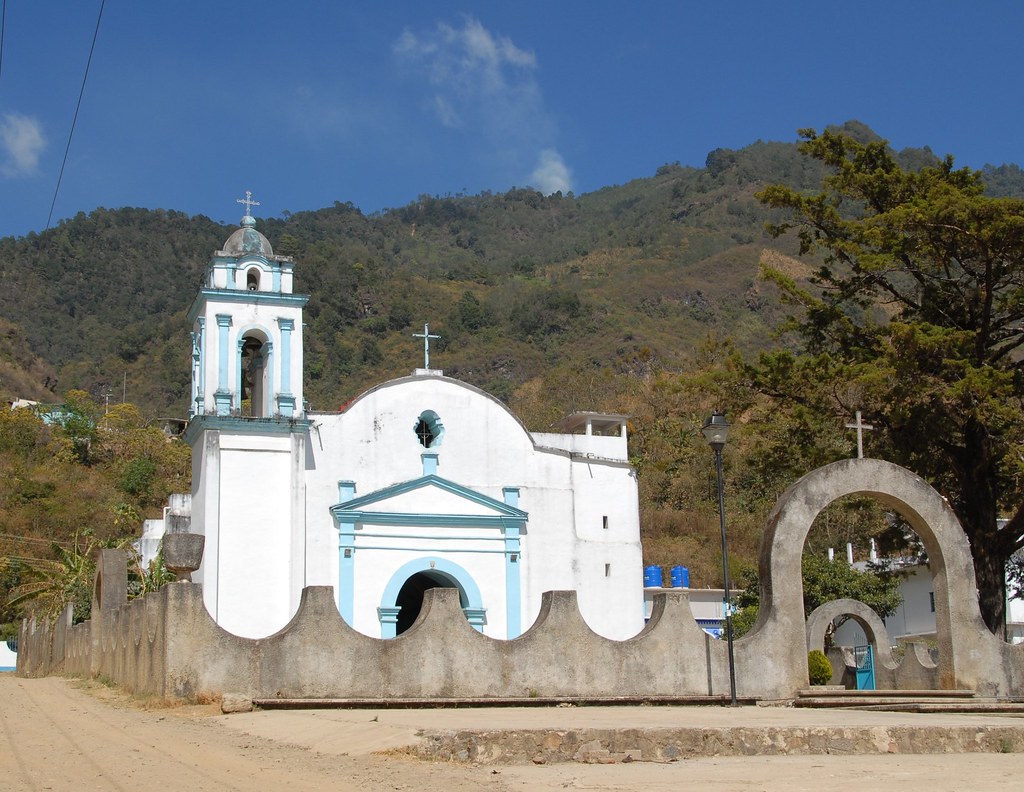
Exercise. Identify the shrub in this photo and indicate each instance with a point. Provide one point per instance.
(819, 669)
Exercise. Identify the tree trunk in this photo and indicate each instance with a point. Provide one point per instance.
(978, 509)
(990, 570)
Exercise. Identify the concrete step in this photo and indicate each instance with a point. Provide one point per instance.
(975, 707)
(533, 701)
(826, 691)
(962, 701)
(897, 701)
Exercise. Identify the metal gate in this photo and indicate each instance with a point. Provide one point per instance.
(864, 657)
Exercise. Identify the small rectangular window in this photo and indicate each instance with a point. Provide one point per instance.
(607, 570)
(604, 522)
(931, 599)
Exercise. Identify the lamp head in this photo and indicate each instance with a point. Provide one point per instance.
(716, 430)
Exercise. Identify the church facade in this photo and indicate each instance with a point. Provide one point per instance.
(420, 482)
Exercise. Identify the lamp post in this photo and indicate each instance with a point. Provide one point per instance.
(716, 430)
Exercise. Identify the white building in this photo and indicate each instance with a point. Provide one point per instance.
(420, 482)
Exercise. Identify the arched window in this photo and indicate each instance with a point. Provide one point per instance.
(252, 279)
(254, 377)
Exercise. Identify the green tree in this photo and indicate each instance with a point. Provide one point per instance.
(916, 316)
(77, 417)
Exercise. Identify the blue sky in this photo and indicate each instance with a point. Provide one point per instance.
(190, 104)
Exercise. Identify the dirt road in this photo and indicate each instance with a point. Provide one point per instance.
(54, 735)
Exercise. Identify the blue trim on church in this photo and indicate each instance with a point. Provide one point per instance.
(469, 592)
(513, 565)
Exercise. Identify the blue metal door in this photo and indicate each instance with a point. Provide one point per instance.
(864, 656)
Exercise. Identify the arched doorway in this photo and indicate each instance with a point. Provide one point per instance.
(402, 600)
(410, 596)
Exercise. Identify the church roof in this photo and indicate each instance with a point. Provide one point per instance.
(247, 241)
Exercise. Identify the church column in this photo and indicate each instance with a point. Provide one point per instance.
(239, 374)
(201, 382)
(266, 383)
(196, 404)
(222, 396)
(513, 564)
(285, 398)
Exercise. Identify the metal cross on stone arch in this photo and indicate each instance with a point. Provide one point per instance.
(248, 201)
(426, 336)
(861, 427)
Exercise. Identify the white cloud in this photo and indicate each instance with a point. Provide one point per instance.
(486, 87)
(446, 113)
(470, 62)
(479, 83)
(551, 174)
(21, 143)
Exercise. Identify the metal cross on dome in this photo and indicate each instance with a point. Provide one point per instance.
(248, 201)
(426, 336)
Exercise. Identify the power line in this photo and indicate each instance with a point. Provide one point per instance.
(28, 560)
(74, 121)
(32, 539)
(3, 25)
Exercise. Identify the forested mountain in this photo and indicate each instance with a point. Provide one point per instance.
(518, 283)
(638, 298)
(515, 283)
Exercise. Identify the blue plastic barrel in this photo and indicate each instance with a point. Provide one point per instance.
(652, 577)
(680, 577)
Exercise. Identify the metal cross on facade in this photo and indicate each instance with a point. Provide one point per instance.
(426, 336)
(248, 201)
(861, 427)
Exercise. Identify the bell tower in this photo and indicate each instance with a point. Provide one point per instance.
(248, 432)
(247, 331)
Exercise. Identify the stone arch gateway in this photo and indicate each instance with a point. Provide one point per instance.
(969, 655)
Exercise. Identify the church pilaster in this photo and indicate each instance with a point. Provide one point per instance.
(513, 565)
(222, 397)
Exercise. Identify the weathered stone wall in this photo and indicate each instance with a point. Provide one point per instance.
(167, 644)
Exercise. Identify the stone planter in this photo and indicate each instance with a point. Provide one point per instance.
(183, 553)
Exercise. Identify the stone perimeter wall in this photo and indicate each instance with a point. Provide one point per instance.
(166, 643)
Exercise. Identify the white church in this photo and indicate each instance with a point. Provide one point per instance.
(420, 482)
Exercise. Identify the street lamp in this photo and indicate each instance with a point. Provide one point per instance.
(716, 430)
